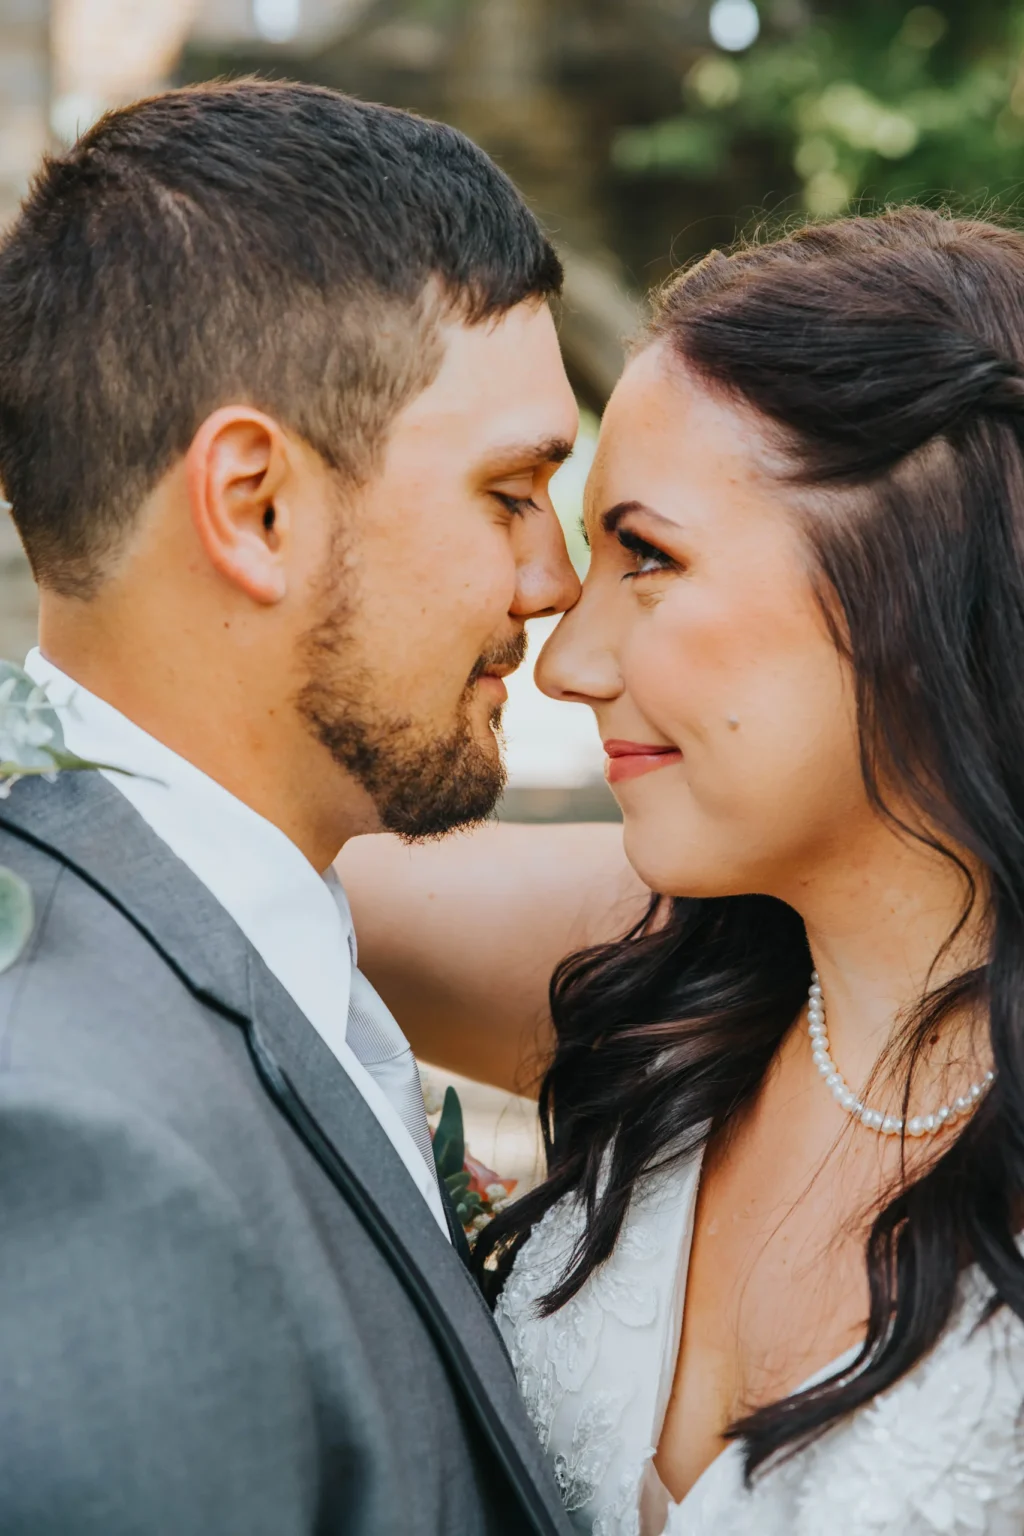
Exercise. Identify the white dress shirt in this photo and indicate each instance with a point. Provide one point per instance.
(300, 927)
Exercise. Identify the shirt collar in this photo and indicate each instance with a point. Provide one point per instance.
(298, 923)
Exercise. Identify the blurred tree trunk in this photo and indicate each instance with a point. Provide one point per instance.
(539, 84)
(502, 93)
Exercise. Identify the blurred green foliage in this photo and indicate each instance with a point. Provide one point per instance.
(866, 102)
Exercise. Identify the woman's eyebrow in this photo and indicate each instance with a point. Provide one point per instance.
(611, 519)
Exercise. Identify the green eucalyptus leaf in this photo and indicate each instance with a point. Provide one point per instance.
(30, 731)
(468, 1209)
(17, 916)
(449, 1138)
(457, 1184)
(31, 736)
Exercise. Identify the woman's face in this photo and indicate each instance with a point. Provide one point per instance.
(726, 711)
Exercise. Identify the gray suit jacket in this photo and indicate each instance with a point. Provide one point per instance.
(224, 1307)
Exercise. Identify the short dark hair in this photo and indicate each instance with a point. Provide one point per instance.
(271, 242)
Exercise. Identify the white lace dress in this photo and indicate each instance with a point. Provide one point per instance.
(941, 1452)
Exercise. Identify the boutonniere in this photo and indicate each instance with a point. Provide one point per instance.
(31, 746)
(476, 1191)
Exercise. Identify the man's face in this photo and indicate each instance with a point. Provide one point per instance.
(439, 562)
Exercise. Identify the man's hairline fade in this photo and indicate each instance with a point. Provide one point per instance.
(371, 341)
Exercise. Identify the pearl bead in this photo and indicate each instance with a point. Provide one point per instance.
(874, 1119)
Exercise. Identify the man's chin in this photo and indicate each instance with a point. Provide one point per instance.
(421, 785)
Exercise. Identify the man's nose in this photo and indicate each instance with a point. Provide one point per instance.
(545, 580)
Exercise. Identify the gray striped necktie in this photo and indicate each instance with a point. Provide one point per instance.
(377, 1040)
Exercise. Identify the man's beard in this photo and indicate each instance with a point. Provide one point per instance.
(421, 786)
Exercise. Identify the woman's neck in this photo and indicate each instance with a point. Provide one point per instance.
(881, 928)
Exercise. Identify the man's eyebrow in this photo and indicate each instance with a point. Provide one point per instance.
(527, 455)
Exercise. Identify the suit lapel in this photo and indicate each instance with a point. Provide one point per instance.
(86, 824)
(339, 1108)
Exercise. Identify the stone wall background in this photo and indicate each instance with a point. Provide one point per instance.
(24, 134)
(17, 596)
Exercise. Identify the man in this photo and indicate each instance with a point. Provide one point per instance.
(280, 399)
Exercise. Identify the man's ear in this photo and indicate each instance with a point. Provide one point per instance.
(235, 468)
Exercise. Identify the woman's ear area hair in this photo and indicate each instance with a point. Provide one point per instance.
(235, 470)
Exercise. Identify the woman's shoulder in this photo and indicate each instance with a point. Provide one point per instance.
(941, 1451)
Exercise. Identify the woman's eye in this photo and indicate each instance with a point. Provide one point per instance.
(647, 563)
(648, 559)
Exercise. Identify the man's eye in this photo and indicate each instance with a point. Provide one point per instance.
(649, 559)
(517, 505)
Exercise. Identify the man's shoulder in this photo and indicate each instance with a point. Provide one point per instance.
(92, 998)
(75, 924)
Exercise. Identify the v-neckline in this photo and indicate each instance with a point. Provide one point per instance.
(655, 1490)
(652, 1486)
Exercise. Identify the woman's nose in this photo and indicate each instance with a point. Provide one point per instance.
(576, 664)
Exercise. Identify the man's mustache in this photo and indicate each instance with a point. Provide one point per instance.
(509, 653)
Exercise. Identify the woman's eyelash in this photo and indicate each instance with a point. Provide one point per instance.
(517, 505)
(643, 551)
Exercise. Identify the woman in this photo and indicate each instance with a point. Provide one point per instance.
(772, 1280)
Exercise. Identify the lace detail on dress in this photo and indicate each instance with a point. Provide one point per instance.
(580, 1424)
(620, 1515)
(581, 1471)
(538, 1266)
(941, 1451)
(940, 1454)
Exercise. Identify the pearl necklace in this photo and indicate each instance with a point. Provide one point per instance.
(885, 1125)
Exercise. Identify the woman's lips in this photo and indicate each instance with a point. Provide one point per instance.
(629, 759)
